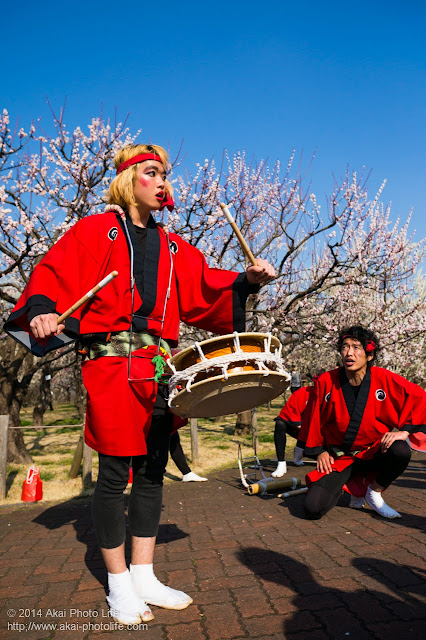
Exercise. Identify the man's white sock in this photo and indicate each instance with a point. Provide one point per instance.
(375, 500)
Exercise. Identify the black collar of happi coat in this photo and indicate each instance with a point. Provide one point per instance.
(355, 405)
(145, 270)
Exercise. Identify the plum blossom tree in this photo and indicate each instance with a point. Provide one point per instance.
(351, 265)
(47, 183)
(382, 290)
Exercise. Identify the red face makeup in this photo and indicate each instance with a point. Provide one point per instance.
(149, 187)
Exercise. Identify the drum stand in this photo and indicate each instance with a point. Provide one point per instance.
(264, 485)
(244, 465)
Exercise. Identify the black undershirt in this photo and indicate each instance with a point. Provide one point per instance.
(141, 233)
(356, 389)
(160, 406)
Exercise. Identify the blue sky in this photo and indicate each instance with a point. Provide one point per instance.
(346, 79)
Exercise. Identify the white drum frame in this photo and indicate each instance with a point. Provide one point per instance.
(265, 363)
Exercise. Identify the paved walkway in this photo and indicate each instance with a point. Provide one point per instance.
(255, 568)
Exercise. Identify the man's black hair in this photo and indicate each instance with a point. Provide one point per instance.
(364, 336)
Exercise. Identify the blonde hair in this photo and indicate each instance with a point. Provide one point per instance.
(121, 188)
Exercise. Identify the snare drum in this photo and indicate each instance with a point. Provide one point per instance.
(226, 375)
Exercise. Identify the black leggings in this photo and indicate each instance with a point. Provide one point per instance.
(282, 428)
(177, 454)
(145, 499)
(324, 494)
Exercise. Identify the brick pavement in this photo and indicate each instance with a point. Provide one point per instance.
(255, 568)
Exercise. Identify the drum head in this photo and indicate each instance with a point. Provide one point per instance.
(219, 397)
(218, 345)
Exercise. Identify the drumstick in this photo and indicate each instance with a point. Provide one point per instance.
(88, 295)
(296, 492)
(237, 232)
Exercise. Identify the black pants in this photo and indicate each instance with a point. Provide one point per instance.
(145, 499)
(177, 454)
(282, 428)
(324, 494)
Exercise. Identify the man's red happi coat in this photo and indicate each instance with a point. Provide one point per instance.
(118, 414)
(335, 418)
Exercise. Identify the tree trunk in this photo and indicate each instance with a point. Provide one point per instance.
(243, 425)
(16, 450)
(17, 368)
(44, 400)
(14, 359)
(38, 415)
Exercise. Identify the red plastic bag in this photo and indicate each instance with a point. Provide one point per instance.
(32, 487)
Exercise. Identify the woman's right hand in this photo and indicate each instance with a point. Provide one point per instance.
(46, 325)
(324, 462)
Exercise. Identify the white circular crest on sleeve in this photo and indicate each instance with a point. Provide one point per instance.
(380, 395)
(112, 233)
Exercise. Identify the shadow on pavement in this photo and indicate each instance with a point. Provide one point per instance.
(357, 613)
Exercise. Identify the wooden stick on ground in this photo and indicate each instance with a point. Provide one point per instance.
(238, 233)
(88, 295)
(296, 492)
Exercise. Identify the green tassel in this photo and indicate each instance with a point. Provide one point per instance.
(158, 362)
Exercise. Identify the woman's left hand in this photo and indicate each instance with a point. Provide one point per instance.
(389, 438)
(262, 273)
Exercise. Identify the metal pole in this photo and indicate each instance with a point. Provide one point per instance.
(194, 440)
(4, 428)
(254, 431)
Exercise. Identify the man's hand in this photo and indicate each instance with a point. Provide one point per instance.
(389, 438)
(324, 462)
(262, 273)
(46, 325)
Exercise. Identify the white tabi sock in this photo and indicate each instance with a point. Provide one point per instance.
(192, 477)
(297, 456)
(151, 590)
(125, 605)
(280, 470)
(376, 502)
(357, 502)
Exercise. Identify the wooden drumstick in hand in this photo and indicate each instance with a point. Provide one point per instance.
(88, 295)
(237, 232)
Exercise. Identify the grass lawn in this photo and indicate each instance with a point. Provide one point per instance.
(53, 452)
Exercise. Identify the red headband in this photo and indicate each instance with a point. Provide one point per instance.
(369, 347)
(136, 159)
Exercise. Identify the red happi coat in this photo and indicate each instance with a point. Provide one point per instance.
(291, 413)
(118, 413)
(295, 406)
(335, 418)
